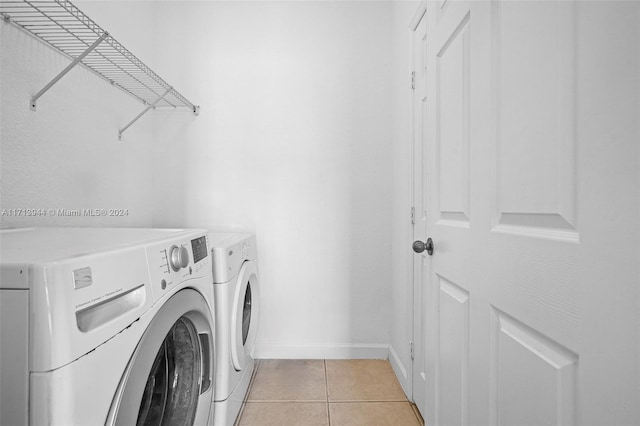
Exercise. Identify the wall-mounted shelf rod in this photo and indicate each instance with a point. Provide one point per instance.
(63, 26)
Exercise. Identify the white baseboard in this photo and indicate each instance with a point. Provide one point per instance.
(335, 351)
(400, 370)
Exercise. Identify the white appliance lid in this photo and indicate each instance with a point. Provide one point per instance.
(36, 245)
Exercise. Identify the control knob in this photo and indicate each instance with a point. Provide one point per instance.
(179, 257)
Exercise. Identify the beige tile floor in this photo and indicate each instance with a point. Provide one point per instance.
(326, 393)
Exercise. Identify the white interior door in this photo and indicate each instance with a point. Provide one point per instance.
(419, 80)
(532, 146)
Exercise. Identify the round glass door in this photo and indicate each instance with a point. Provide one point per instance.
(168, 379)
(174, 377)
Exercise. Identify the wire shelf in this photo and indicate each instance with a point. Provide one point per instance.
(66, 28)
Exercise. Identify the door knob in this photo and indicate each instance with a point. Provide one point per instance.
(419, 246)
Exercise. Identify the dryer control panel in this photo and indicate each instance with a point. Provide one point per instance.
(229, 252)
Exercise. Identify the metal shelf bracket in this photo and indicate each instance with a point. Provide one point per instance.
(62, 73)
(121, 131)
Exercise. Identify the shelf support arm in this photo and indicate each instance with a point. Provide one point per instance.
(75, 62)
(121, 131)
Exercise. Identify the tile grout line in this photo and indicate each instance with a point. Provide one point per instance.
(326, 390)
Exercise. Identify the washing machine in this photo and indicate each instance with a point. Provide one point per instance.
(106, 327)
(237, 303)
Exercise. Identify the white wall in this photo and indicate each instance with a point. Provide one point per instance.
(66, 155)
(293, 142)
(299, 139)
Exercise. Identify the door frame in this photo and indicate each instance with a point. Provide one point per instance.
(418, 232)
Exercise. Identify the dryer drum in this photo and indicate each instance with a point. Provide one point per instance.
(170, 393)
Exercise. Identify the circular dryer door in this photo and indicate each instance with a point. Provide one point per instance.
(244, 318)
(168, 379)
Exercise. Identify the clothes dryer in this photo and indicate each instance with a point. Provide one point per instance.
(237, 304)
(106, 326)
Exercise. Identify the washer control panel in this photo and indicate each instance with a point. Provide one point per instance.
(177, 261)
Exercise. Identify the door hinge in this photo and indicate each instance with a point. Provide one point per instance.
(411, 348)
(413, 80)
(413, 215)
